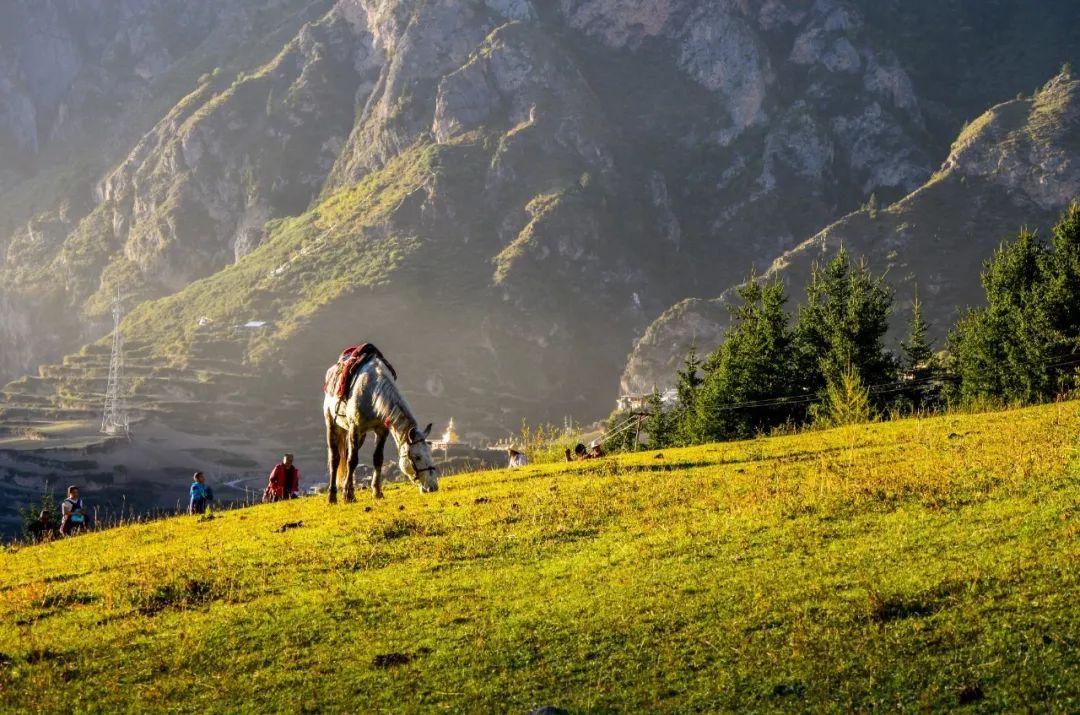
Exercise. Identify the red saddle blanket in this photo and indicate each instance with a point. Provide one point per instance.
(351, 360)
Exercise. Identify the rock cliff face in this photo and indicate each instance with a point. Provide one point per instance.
(777, 103)
(79, 81)
(619, 157)
(194, 194)
(67, 67)
(1016, 165)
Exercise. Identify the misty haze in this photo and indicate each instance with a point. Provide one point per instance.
(753, 318)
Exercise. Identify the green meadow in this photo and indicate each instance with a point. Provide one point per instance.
(923, 564)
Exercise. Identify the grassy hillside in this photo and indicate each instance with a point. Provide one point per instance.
(921, 564)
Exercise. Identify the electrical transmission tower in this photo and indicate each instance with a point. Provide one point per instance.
(115, 420)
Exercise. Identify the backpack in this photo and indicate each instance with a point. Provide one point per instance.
(72, 516)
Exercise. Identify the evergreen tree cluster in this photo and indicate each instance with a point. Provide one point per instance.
(772, 369)
(1024, 346)
(829, 364)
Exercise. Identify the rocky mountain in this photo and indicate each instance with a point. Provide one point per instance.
(79, 83)
(503, 194)
(1016, 165)
(590, 171)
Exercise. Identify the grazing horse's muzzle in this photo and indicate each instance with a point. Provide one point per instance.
(417, 462)
(430, 483)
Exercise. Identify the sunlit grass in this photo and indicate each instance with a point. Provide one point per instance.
(914, 564)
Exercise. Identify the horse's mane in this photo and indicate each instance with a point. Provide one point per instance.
(390, 405)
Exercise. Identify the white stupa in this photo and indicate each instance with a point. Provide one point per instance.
(449, 438)
(450, 435)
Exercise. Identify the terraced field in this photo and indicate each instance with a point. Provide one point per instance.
(50, 426)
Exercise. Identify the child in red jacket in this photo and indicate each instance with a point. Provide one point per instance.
(284, 481)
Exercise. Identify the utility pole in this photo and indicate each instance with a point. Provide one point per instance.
(115, 419)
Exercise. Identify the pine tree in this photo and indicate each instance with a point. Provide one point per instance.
(843, 323)
(916, 349)
(871, 206)
(1019, 347)
(688, 378)
(658, 425)
(685, 423)
(1063, 283)
(754, 363)
(1001, 350)
(920, 365)
(847, 400)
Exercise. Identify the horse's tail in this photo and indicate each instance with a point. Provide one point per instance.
(343, 458)
(335, 455)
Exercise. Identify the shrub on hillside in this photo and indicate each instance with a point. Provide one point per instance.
(546, 442)
(847, 402)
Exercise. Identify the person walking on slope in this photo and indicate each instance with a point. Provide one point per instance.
(73, 513)
(284, 481)
(201, 494)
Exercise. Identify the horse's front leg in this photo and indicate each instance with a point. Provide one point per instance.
(355, 441)
(377, 462)
(333, 458)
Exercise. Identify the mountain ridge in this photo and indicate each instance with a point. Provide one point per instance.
(169, 214)
(1013, 166)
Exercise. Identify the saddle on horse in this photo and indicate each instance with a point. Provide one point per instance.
(352, 359)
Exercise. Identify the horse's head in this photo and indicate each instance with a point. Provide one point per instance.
(416, 462)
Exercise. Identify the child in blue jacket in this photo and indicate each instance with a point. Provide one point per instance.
(201, 495)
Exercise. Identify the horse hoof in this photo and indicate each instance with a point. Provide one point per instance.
(378, 495)
(350, 498)
(333, 500)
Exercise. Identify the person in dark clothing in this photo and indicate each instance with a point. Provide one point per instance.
(73, 513)
(284, 481)
(201, 494)
(41, 529)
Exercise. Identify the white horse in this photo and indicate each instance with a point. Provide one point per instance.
(374, 404)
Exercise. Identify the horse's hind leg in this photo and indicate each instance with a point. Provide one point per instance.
(333, 458)
(377, 462)
(353, 441)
